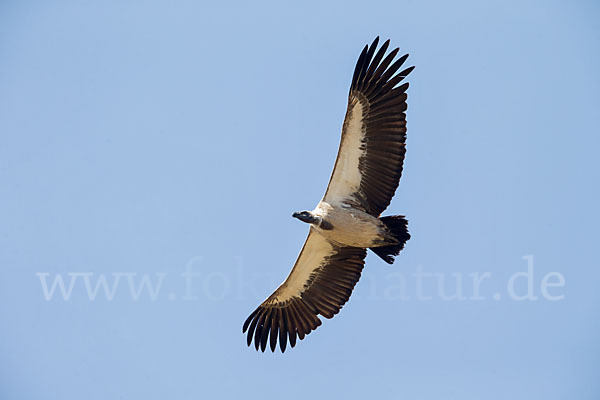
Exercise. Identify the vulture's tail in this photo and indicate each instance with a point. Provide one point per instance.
(398, 226)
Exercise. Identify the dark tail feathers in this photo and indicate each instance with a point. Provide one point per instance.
(398, 226)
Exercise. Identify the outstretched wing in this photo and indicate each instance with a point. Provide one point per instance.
(320, 284)
(369, 161)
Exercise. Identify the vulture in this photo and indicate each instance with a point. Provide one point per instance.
(347, 221)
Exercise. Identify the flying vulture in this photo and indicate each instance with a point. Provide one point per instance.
(347, 221)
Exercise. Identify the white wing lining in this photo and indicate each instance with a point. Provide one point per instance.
(346, 176)
(313, 254)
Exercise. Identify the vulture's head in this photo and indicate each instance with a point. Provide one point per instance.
(305, 216)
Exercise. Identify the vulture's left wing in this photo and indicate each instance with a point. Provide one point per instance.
(320, 284)
(369, 161)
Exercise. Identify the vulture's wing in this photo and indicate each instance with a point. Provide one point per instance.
(369, 161)
(320, 283)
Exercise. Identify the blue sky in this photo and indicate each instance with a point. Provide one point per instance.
(171, 141)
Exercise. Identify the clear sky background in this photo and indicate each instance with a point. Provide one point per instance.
(158, 137)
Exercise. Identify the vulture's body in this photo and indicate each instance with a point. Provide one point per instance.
(347, 221)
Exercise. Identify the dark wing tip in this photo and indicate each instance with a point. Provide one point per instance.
(249, 320)
(407, 70)
(375, 43)
(266, 327)
(372, 69)
(359, 64)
